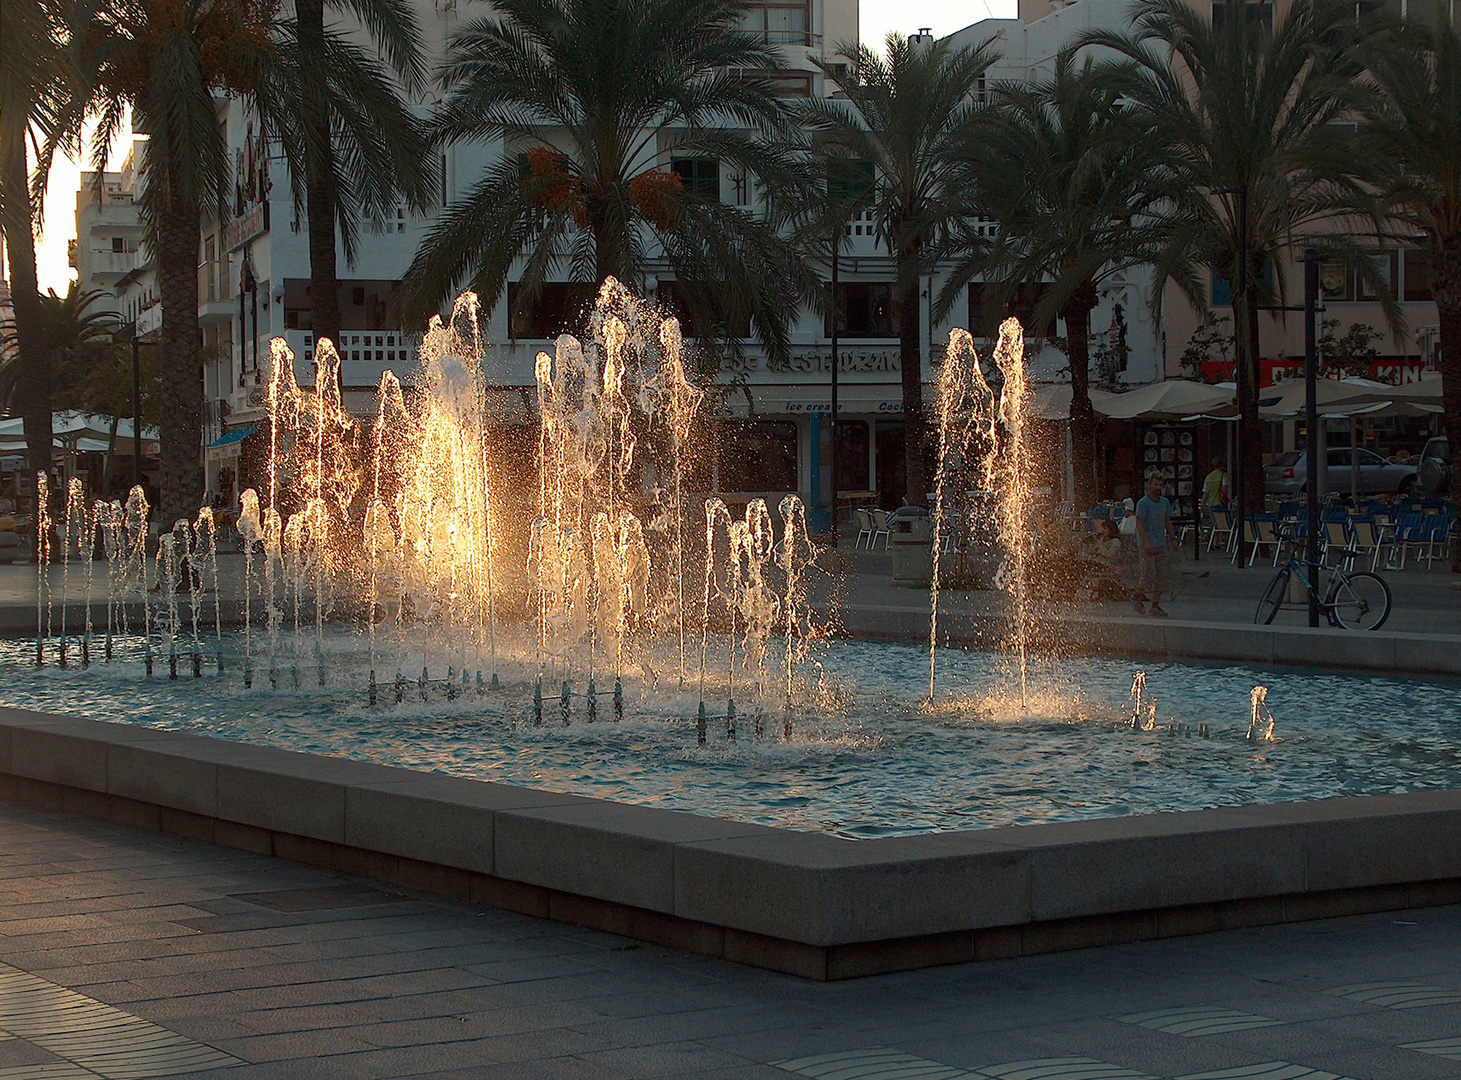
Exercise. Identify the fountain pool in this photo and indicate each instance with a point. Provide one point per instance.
(867, 760)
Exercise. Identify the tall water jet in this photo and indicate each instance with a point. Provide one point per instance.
(72, 530)
(43, 560)
(1009, 357)
(251, 532)
(796, 556)
(677, 400)
(966, 410)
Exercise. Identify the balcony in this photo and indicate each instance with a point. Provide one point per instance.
(104, 262)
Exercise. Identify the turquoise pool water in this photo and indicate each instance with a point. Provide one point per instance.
(867, 757)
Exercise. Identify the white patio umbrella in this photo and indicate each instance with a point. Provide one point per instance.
(1171, 399)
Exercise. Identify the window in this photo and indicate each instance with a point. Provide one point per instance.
(558, 309)
(1020, 304)
(790, 85)
(783, 24)
(1417, 274)
(699, 311)
(701, 177)
(757, 455)
(849, 179)
(357, 296)
(1340, 282)
(867, 310)
(117, 245)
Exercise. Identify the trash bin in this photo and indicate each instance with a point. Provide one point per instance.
(910, 539)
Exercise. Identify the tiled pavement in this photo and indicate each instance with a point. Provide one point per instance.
(127, 954)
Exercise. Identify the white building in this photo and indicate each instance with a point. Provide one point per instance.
(109, 231)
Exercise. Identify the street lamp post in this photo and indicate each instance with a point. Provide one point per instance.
(136, 411)
(836, 311)
(1311, 423)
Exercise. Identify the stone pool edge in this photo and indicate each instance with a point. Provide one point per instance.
(1174, 639)
(808, 904)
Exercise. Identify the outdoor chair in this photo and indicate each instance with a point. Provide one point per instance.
(880, 528)
(864, 528)
(1260, 532)
(1410, 534)
(1434, 541)
(1222, 526)
(1370, 536)
(1335, 537)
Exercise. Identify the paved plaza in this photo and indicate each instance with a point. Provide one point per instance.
(129, 954)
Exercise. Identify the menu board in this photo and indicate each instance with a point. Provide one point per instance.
(1171, 452)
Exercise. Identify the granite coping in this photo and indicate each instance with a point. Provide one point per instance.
(1177, 639)
(809, 888)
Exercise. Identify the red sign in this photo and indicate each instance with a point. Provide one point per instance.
(1393, 372)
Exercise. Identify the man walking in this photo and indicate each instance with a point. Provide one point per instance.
(1154, 540)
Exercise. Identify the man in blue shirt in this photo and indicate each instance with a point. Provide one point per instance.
(1154, 542)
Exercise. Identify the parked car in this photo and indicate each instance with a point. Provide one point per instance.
(1288, 474)
(1435, 467)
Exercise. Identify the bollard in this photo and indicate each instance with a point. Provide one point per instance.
(421, 683)
(372, 686)
(730, 720)
(495, 685)
(538, 703)
(480, 688)
(700, 725)
(563, 703)
(592, 703)
(618, 699)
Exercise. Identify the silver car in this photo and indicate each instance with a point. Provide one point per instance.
(1288, 474)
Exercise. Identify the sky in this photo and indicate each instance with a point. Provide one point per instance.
(878, 18)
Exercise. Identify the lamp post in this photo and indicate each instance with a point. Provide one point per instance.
(136, 411)
(836, 313)
(1239, 298)
(1311, 423)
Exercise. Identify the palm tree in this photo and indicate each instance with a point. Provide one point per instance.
(34, 76)
(166, 59)
(908, 114)
(1416, 126)
(72, 337)
(596, 102)
(352, 144)
(1072, 178)
(1249, 113)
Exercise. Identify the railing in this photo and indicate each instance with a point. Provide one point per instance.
(106, 261)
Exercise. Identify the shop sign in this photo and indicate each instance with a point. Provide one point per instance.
(1391, 372)
(251, 187)
(849, 360)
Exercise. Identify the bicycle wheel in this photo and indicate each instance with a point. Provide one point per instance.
(1273, 596)
(1359, 601)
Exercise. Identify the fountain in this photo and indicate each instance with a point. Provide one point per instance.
(397, 577)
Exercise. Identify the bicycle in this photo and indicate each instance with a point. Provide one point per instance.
(1356, 600)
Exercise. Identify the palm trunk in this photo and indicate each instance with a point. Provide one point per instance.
(35, 376)
(1077, 316)
(181, 429)
(610, 246)
(1446, 287)
(915, 449)
(321, 195)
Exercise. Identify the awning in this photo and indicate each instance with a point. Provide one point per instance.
(237, 435)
